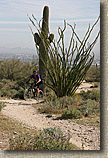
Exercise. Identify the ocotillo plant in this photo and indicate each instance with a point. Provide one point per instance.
(67, 67)
(43, 39)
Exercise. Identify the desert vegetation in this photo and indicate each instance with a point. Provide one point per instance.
(82, 108)
(66, 66)
(84, 104)
(93, 74)
(13, 77)
(64, 69)
(48, 139)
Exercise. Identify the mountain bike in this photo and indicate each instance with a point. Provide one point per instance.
(31, 92)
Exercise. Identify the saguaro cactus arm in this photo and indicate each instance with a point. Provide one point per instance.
(44, 29)
(45, 23)
(37, 39)
(51, 37)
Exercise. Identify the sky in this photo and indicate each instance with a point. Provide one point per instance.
(14, 22)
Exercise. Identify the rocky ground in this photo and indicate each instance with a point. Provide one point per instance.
(24, 112)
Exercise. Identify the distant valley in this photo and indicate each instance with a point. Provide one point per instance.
(22, 54)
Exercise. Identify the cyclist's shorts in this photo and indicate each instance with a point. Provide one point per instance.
(38, 84)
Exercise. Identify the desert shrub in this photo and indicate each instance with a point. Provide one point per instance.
(89, 107)
(50, 96)
(96, 85)
(93, 74)
(8, 88)
(2, 105)
(11, 89)
(14, 69)
(56, 105)
(13, 92)
(73, 113)
(48, 139)
(94, 95)
(51, 107)
(67, 101)
(77, 98)
(20, 94)
(13, 77)
(8, 94)
(4, 93)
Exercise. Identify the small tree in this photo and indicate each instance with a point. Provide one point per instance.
(67, 67)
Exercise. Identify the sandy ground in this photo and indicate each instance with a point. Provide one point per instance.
(85, 86)
(24, 112)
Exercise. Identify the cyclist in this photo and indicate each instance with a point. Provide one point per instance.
(37, 80)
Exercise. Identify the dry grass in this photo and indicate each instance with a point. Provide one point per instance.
(15, 136)
(8, 128)
(89, 121)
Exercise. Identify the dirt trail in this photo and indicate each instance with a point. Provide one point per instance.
(24, 112)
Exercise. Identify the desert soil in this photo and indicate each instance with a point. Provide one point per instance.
(24, 112)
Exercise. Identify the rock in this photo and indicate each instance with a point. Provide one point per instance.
(76, 141)
(15, 132)
(49, 116)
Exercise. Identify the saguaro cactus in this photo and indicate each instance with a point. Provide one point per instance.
(43, 40)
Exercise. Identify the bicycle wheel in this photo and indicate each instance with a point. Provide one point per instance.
(40, 94)
(27, 94)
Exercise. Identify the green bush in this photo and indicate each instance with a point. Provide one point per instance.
(4, 93)
(93, 95)
(48, 139)
(89, 107)
(71, 114)
(19, 94)
(96, 85)
(50, 96)
(8, 88)
(13, 92)
(67, 101)
(56, 105)
(11, 89)
(51, 107)
(93, 74)
(13, 77)
(2, 105)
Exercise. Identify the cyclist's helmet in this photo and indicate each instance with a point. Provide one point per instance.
(34, 71)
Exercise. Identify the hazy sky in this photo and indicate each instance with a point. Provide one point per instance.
(14, 29)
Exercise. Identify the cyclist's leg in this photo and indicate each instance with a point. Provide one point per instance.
(33, 90)
(38, 85)
(37, 89)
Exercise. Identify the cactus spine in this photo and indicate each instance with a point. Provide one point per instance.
(43, 40)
